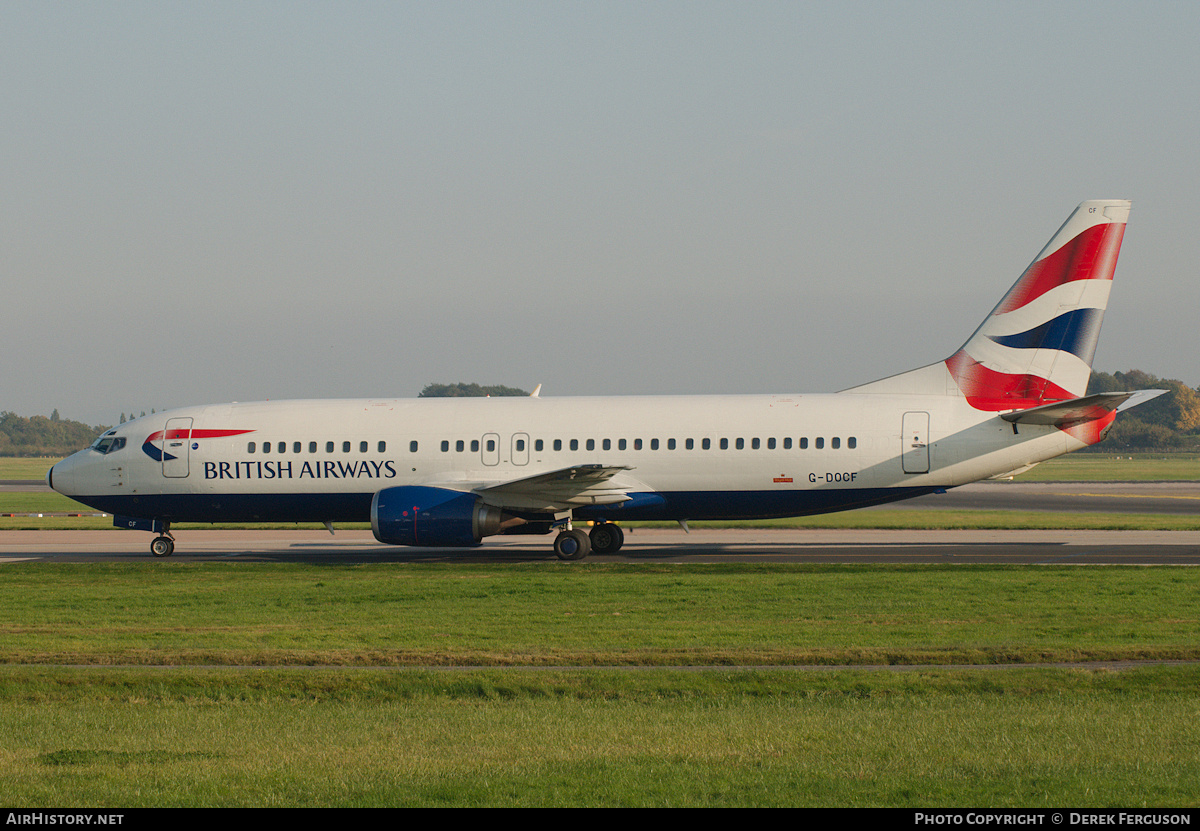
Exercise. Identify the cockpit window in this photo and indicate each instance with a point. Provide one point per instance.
(108, 444)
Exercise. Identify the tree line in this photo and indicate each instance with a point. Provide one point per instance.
(1169, 422)
(42, 436)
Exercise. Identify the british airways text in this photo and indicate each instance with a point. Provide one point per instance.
(365, 469)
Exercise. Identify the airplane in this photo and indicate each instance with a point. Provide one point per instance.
(451, 471)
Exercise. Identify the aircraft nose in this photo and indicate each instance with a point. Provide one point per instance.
(59, 477)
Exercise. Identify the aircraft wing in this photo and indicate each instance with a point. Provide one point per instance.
(558, 490)
(1087, 408)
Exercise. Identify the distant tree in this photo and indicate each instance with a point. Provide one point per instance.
(1179, 410)
(1169, 421)
(122, 418)
(42, 436)
(54, 416)
(461, 390)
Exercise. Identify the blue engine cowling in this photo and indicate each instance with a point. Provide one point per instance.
(415, 515)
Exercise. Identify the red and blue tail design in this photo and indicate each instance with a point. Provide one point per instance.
(1036, 346)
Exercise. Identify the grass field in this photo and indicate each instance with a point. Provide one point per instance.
(25, 468)
(601, 614)
(1103, 467)
(320, 708)
(1018, 738)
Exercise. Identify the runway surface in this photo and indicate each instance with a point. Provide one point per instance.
(641, 546)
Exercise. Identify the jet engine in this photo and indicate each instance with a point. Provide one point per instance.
(416, 515)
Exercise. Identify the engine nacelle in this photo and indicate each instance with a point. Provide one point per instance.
(416, 515)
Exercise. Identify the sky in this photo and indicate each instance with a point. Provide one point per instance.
(233, 201)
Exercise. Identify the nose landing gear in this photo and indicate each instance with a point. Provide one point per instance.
(164, 545)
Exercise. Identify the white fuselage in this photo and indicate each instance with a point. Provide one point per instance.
(701, 456)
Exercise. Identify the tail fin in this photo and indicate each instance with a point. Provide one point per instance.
(1036, 346)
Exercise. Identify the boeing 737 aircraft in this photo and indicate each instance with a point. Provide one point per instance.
(451, 471)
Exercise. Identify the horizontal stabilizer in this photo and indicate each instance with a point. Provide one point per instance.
(1088, 408)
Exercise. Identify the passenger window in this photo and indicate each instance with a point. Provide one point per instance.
(724, 444)
(382, 446)
(851, 443)
(460, 446)
(296, 447)
(283, 447)
(574, 444)
(705, 444)
(754, 444)
(250, 447)
(537, 445)
(362, 447)
(558, 444)
(474, 445)
(491, 446)
(445, 446)
(266, 447)
(328, 447)
(787, 443)
(741, 443)
(345, 447)
(770, 444)
(412, 447)
(670, 444)
(312, 447)
(654, 444)
(591, 444)
(804, 443)
(621, 445)
(835, 442)
(820, 443)
(690, 444)
(520, 445)
(637, 444)
(608, 444)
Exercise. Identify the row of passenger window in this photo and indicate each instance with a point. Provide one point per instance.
(539, 445)
(818, 443)
(298, 447)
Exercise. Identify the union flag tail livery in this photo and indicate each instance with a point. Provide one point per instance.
(448, 472)
(1037, 345)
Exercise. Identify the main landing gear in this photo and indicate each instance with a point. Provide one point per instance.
(575, 544)
(606, 538)
(164, 545)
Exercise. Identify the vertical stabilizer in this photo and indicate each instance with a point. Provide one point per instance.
(1036, 346)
